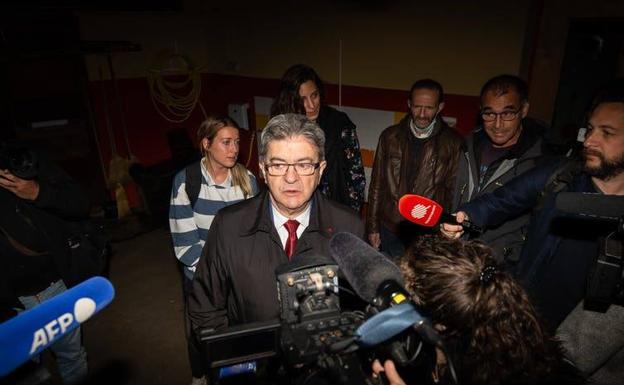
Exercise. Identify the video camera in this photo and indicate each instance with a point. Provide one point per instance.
(605, 281)
(19, 160)
(314, 340)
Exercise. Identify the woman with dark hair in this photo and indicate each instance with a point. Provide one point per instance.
(485, 317)
(222, 181)
(302, 92)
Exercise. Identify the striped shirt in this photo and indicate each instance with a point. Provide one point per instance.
(189, 225)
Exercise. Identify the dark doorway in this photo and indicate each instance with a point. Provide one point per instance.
(44, 101)
(594, 54)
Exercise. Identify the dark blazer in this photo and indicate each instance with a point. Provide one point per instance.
(235, 280)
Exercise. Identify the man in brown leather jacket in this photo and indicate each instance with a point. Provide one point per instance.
(417, 156)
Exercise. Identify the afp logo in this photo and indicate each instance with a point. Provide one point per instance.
(84, 308)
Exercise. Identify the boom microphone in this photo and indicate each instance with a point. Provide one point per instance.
(366, 269)
(36, 329)
(378, 281)
(592, 205)
(426, 212)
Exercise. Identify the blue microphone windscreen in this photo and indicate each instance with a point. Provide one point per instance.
(36, 329)
(387, 324)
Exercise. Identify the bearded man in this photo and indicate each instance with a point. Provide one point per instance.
(560, 250)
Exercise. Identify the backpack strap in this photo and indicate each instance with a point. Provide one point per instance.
(560, 179)
(193, 181)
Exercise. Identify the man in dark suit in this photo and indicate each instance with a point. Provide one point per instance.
(235, 281)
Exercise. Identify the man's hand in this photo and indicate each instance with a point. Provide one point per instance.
(389, 370)
(25, 189)
(454, 231)
(375, 240)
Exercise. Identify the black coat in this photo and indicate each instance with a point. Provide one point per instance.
(40, 225)
(343, 179)
(235, 280)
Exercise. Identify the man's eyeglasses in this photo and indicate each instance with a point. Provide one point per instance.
(280, 169)
(505, 115)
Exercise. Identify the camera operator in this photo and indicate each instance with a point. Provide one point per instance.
(489, 326)
(36, 197)
(389, 370)
(235, 280)
(559, 252)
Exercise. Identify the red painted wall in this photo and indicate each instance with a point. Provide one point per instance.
(147, 129)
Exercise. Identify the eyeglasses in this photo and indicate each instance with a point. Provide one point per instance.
(505, 115)
(280, 169)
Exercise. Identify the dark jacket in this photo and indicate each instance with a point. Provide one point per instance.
(40, 225)
(437, 166)
(235, 281)
(343, 180)
(538, 268)
(507, 238)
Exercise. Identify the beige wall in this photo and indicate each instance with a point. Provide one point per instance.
(387, 46)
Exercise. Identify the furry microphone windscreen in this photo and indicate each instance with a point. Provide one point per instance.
(364, 267)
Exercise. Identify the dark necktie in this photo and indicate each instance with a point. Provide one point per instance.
(291, 226)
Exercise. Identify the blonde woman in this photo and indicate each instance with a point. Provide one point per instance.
(199, 192)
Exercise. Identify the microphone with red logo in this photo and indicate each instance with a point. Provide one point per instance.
(426, 212)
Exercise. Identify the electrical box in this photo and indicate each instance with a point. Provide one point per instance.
(240, 113)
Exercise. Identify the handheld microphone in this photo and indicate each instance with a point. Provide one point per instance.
(426, 212)
(591, 205)
(36, 329)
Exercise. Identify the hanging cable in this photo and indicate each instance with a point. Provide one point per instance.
(175, 89)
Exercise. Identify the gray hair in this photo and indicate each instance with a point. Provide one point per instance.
(286, 126)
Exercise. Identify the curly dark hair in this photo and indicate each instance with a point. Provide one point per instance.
(288, 100)
(486, 313)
